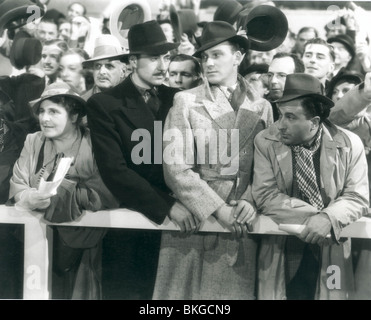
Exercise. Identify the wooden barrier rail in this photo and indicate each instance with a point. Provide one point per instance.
(38, 238)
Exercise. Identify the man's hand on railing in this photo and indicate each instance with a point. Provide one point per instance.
(316, 229)
(184, 219)
(225, 216)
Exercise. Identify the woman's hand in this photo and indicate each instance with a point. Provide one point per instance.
(33, 199)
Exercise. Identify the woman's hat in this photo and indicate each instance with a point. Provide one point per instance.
(107, 46)
(25, 50)
(148, 38)
(350, 77)
(59, 89)
(228, 11)
(15, 13)
(216, 32)
(346, 41)
(301, 85)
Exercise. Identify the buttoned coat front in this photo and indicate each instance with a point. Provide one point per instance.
(344, 189)
(211, 265)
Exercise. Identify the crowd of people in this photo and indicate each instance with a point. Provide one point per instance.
(277, 126)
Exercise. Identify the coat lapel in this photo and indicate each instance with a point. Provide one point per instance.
(219, 107)
(134, 108)
(329, 150)
(284, 158)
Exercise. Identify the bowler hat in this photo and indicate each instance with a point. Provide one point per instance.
(216, 32)
(255, 67)
(148, 38)
(15, 13)
(266, 27)
(107, 46)
(25, 50)
(228, 11)
(346, 41)
(301, 85)
(59, 89)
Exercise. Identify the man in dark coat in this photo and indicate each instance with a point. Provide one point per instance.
(136, 107)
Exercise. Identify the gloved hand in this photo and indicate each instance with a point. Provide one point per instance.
(32, 199)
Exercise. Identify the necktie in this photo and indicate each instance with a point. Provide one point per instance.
(306, 174)
(153, 101)
(236, 97)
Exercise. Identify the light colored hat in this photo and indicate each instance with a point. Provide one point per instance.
(60, 89)
(107, 46)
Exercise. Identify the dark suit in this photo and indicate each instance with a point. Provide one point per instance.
(112, 118)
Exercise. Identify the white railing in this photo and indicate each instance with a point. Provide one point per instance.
(38, 238)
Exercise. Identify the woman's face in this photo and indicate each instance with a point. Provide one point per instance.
(55, 122)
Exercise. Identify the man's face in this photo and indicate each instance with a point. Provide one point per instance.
(317, 61)
(293, 124)
(108, 73)
(50, 57)
(340, 90)
(71, 70)
(75, 10)
(258, 81)
(65, 29)
(259, 57)
(302, 38)
(342, 55)
(277, 73)
(182, 75)
(150, 70)
(46, 31)
(220, 64)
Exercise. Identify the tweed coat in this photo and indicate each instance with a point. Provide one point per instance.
(211, 265)
(344, 189)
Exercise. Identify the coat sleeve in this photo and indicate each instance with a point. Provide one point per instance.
(179, 170)
(131, 190)
(269, 197)
(348, 107)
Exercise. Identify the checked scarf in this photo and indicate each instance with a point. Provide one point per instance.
(305, 171)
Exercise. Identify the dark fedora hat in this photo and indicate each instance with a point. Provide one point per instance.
(59, 89)
(266, 27)
(15, 13)
(25, 50)
(216, 32)
(228, 11)
(346, 41)
(148, 38)
(302, 85)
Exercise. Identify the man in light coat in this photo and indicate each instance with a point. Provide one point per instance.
(209, 180)
(310, 172)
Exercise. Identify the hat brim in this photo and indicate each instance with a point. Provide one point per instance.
(35, 104)
(90, 62)
(16, 10)
(153, 50)
(291, 97)
(240, 40)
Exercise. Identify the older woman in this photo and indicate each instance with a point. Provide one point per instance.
(76, 250)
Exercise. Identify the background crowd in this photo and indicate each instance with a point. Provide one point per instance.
(76, 57)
